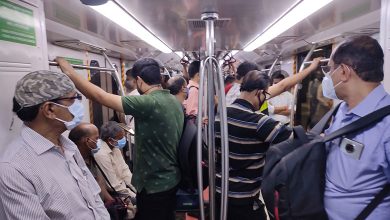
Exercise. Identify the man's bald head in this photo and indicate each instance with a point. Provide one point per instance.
(83, 130)
(175, 84)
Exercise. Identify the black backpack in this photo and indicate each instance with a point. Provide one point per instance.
(294, 173)
(187, 158)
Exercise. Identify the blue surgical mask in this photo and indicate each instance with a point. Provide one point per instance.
(121, 143)
(77, 110)
(328, 88)
(97, 146)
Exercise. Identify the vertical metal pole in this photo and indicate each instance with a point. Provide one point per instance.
(200, 141)
(116, 75)
(211, 116)
(273, 66)
(296, 87)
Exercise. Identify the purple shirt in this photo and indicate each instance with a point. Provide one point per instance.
(351, 184)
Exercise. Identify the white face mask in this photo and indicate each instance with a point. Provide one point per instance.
(328, 89)
(77, 110)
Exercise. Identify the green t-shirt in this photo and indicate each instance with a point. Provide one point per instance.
(159, 122)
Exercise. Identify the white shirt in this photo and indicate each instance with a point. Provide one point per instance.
(38, 182)
(115, 168)
(284, 99)
(233, 94)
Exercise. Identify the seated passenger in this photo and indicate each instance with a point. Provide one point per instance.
(250, 135)
(354, 75)
(110, 159)
(86, 137)
(42, 173)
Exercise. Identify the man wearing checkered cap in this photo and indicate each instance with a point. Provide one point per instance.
(42, 173)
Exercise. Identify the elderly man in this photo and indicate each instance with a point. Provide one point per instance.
(110, 159)
(177, 86)
(42, 173)
(86, 137)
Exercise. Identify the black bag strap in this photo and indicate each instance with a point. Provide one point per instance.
(320, 126)
(362, 122)
(104, 175)
(374, 203)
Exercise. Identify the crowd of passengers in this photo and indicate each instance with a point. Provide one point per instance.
(45, 175)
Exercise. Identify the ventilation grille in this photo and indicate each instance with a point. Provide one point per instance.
(201, 24)
(79, 45)
(364, 31)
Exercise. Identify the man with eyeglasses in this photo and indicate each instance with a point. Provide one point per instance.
(354, 176)
(250, 135)
(42, 173)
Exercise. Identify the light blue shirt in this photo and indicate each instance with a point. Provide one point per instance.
(351, 184)
(38, 182)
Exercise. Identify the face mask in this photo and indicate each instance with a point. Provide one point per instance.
(77, 110)
(121, 143)
(328, 89)
(97, 146)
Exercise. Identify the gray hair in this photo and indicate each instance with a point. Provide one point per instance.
(109, 130)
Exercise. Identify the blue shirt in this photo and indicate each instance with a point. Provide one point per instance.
(351, 184)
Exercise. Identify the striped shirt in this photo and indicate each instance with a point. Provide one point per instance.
(38, 182)
(250, 135)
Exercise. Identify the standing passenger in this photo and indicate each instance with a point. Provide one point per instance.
(354, 75)
(191, 104)
(177, 86)
(158, 126)
(42, 173)
(250, 135)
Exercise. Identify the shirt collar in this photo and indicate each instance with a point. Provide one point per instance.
(244, 103)
(369, 104)
(41, 144)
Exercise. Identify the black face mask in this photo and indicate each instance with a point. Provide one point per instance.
(265, 94)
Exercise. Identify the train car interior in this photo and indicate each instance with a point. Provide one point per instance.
(102, 40)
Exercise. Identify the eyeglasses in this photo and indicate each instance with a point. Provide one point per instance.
(77, 96)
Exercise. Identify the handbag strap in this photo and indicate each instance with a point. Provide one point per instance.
(374, 203)
(104, 175)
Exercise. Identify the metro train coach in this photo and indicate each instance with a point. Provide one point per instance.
(194, 109)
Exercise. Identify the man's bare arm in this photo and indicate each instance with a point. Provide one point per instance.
(90, 90)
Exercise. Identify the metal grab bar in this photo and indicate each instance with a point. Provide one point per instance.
(83, 67)
(273, 66)
(295, 91)
(117, 77)
(323, 60)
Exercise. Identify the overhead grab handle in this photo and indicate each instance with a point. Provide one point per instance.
(84, 67)
(323, 61)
